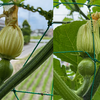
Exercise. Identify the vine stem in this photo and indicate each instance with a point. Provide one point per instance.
(76, 8)
(79, 10)
(82, 90)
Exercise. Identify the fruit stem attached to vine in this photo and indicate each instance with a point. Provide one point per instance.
(84, 87)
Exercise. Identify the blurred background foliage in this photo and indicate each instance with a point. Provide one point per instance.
(26, 30)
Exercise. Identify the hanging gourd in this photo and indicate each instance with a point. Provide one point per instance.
(11, 41)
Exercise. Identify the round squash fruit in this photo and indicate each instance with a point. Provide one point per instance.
(6, 70)
(86, 67)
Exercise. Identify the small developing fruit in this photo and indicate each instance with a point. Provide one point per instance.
(86, 67)
(6, 70)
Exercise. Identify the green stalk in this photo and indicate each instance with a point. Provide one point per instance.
(71, 7)
(87, 96)
(82, 90)
(79, 10)
(27, 70)
(63, 89)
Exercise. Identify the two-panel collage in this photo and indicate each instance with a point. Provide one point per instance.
(49, 49)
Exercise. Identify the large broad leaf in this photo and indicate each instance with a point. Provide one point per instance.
(65, 40)
(71, 6)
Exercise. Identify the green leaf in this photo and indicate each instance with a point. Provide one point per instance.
(61, 99)
(68, 6)
(78, 80)
(65, 40)
(22, 0)
(96, 87)
(55, 4)
(97, 94)
(63, 89)
(19, 1)
(60, 70)
(95, 2)
(57, 97)
(67, 19)
(81, 1)
(5, 1)
(96, 9)
(73, 84)
(71, 6)
(73, 68)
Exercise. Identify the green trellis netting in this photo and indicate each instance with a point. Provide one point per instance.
(4, 90)
(39, 58)
(94, 58)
